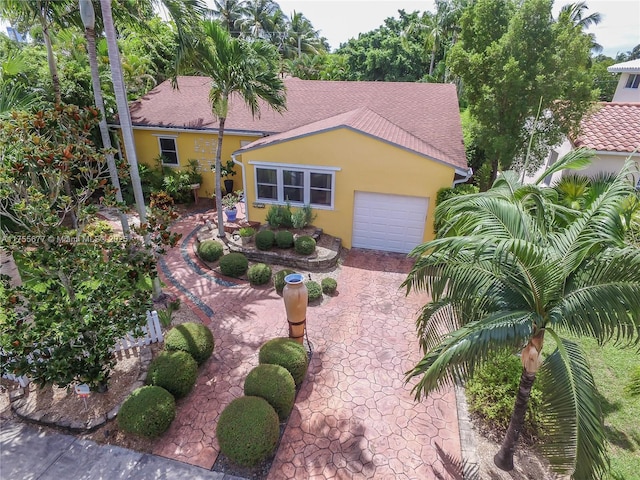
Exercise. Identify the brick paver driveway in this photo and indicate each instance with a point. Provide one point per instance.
(354, 417)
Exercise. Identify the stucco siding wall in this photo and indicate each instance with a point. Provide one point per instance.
(196, 145)
(365, 164)
(623, 94)
(607, 163)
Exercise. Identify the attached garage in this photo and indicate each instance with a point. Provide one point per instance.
(392, 223)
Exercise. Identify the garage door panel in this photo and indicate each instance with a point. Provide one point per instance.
(392, 223)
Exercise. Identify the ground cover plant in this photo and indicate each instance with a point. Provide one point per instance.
(511, 269)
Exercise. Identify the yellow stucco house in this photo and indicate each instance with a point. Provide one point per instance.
(368, 157)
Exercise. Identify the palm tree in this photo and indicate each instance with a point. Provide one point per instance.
(231, 14)
(301, 37)
(259, 18)
(239, 70)
(13, 96)
(504, 276)
(88, 16)
(576, 13)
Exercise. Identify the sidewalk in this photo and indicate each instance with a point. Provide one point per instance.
(28, 453)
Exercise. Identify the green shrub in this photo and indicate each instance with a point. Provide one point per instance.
(284, 239)
(305, 245)
(210, 250)
(492, 391)
(288, 354)
(193, 338)
(148, 411)
(234, 265)
(259, 274)
(279, 216)
(99, 228)
(314, 289)
(278, 280)
(449, 192)
(246, 232)
(302, 217)
(275, 384)
(174, 371)
(248, 431)
(265, 239)
(633, 387)
(329, 285)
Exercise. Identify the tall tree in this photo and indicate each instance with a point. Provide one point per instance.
(504, 276)
(240, 70)
(231, 14)
(89, 20)
(512, 55)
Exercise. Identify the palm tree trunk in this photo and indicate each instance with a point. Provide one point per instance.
(125, 122)
(495, 165)
(433, 58)
(504, 458)
(90, 35)
(218, 176)
(531, 360)
(51, 60)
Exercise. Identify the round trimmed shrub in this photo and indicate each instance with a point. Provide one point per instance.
(329, 285)
(148, 411)
(174, 371)
(259, 274)
(288, 354)
(234, 265)
(275, 384)
(210, 250)
(193, 338)
(278, 279)
(265, 239)
(314, 289)
(284, 239)
(305, 245)
(248, 431)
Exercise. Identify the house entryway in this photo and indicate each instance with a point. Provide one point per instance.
(392, 223)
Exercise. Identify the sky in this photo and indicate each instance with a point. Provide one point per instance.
(338, 21)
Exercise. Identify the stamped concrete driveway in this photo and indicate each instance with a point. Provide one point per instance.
(354, 416)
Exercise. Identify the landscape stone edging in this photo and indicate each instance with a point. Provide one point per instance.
(18, 403)
(468, 452)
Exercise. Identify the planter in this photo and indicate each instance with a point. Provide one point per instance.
(228, 185)
(246, 240)
(296, 298)
(231, 214)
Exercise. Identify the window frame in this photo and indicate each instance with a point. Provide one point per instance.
(306, 170)
(162, 155)
(633, 81)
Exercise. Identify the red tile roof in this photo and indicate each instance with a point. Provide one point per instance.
(423, 117)
(611, 127)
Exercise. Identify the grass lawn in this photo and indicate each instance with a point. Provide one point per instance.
(612, 367)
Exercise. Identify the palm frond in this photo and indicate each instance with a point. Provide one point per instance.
(602, 299)
(572, 419)
(577, 159)
(456, 356)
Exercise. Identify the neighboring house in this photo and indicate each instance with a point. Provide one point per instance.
(369, 157)
(612, 129)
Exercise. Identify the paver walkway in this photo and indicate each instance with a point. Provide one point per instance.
(354, 416)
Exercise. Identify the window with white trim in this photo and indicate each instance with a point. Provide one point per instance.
(633, 81)
(302, 186)
(168, 150)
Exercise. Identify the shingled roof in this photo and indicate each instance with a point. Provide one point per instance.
(612, 127)
(422, 117)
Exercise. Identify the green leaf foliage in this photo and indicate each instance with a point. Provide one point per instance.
(175, 371)
(193, 338)
(234, 265)
(287, 353)
(210, 250)
(148, 412)
(275, 384)
(259, 274)
(248, 431)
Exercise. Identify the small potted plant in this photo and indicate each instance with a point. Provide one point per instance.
(229, 202)
(226, 172)
(195, 177)
(246, 235)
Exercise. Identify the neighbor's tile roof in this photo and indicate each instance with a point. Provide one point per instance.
(425, 113)
(612, 127)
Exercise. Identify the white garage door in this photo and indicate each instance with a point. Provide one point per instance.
(393, 223)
